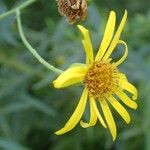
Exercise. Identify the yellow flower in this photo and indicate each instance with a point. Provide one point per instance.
(103, 82)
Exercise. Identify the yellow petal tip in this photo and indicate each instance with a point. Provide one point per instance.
(136, 106)
(83, 124)
(134, 97)
(55, 83)
(59, 132)
(125, 13)
(79, 26)
(113, 12)
(114, 135)
(82, 29)
(128, 120)
(104, 125)
(114, 138)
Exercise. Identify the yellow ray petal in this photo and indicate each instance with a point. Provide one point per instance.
(122, 76)
(116, 37)
(87, 44)
(129, 87)
(93, 116)
(76, 116)
(109, 31)
(97, 113)
(125, 99)
(120, 109)
(72, 75)
(109, 118)
(121, 60)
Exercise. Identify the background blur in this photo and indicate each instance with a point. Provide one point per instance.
(31, 109)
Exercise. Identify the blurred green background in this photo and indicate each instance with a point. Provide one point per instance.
(31, 109)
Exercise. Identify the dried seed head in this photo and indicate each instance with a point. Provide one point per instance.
(101, 79)
(72, 9)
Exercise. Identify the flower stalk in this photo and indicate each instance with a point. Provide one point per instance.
(31, 49)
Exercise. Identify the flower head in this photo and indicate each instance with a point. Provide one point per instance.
(72, 9)
(102, 81)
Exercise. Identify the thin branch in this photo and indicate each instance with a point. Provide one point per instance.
(31, 49)
(23, 5)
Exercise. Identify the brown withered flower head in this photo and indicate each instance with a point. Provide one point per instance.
(72, 9)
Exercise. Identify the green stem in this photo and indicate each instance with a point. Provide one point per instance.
(25, 4)
(31, 49)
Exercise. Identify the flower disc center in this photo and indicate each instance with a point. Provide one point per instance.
(101, 79)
